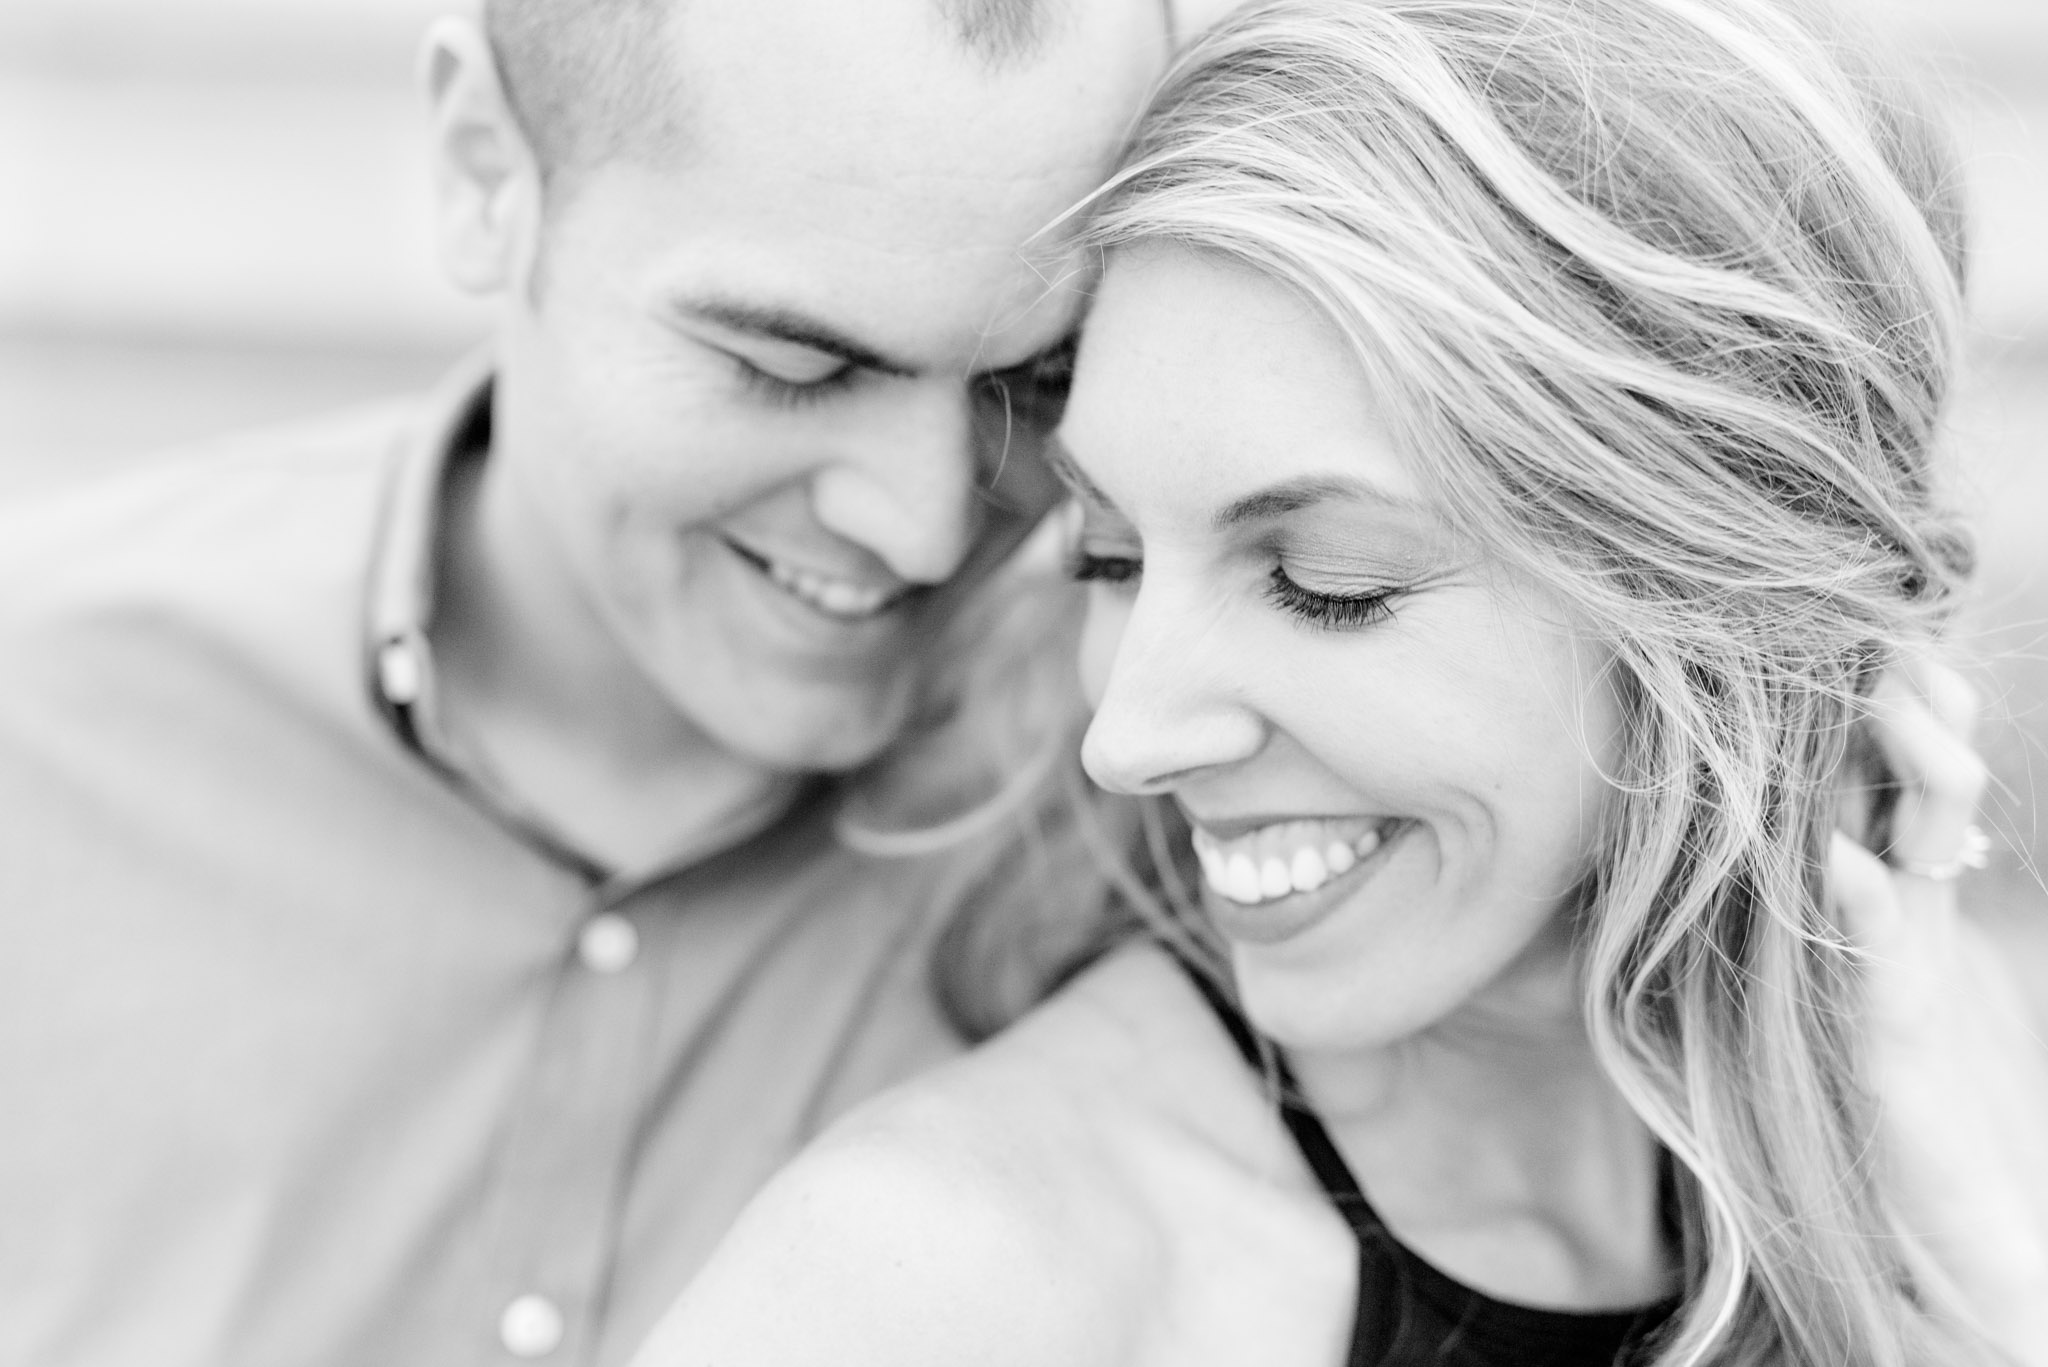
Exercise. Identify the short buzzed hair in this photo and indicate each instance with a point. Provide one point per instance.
(591, 80)
(998, 30)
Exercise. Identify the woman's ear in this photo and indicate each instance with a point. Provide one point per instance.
(487, 181)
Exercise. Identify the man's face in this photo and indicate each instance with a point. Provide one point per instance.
(773, 408)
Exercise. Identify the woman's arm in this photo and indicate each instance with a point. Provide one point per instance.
(1958, 1059)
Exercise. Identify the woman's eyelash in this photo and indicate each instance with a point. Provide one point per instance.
(1088, 568)
(792, 393)
(1335, 611)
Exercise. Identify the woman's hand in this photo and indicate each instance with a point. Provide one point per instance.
(1958, 1060)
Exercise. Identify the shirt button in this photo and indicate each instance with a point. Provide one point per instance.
(531, 1327)
(608, 943)
(398, 673)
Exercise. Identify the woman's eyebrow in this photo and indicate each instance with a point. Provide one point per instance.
(1294, 495)
(1063, 464)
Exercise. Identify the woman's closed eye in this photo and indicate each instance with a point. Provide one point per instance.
(1319, 608)
(1101, 546)
(1331, 611)
(1094, 567)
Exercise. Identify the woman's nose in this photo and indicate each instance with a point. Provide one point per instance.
(1170, 703)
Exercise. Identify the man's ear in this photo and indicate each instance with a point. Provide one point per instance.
(487, 184)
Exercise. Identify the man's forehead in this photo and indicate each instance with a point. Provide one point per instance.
(878, 174)
(884, 89)
(919, 315)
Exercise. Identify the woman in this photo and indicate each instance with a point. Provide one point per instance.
(1505, 440)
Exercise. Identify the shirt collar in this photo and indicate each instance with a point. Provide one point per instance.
(398, 659)
(456, 423)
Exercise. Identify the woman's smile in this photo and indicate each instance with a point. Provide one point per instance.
(1273, 881)
(1393, 752)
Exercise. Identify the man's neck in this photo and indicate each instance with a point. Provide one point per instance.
(536, 691)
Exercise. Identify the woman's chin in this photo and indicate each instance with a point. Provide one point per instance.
(1326, 1012)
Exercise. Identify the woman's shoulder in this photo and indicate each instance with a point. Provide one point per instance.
(1031, 1203)
(1120, 1077)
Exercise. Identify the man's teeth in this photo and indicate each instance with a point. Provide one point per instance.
(1283, 859)
(833, 597)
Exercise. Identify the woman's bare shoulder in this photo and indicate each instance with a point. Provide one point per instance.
(1123, 1062)
(1015, 1207)
(902, 1241)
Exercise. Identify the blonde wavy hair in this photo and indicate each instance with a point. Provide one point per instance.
(1665, 298)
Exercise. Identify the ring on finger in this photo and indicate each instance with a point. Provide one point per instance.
(1974, 854)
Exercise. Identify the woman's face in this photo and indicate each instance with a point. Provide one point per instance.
(1391, 750)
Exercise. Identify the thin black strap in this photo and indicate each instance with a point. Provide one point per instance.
(1231, 1019)
(1406, 1310)
(1317, 1148)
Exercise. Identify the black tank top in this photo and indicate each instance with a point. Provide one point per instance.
(1410, 1314)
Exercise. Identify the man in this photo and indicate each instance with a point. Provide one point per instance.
(424, 927)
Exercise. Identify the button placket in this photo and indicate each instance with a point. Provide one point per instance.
(401, 671)
(608, 943)
(554, 1205)
(531, 1326)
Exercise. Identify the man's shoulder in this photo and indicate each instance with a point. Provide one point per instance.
(232, 575)
(307, 471)
(267, 534)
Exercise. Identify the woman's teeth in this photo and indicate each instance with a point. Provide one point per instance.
(841, 598)
(1283, 859)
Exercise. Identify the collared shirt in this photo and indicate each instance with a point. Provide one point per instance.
(312, 1052)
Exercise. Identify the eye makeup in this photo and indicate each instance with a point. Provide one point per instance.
(1349, 564)
(1331, 611)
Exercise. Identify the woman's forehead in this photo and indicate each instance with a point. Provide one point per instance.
(1202, 380)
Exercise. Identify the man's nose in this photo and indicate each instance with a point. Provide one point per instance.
(903, 487)
(1173, 707)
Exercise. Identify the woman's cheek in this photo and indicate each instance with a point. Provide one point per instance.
(1108, 610)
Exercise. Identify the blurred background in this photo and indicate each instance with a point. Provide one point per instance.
(216, 215)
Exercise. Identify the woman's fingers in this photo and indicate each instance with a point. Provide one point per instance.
(1921, 718)
(1950, 697)
(1866, 899)
(1953, 1053)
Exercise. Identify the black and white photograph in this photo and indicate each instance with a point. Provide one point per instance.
(1024, 683)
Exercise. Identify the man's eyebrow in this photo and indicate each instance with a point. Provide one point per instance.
(787, 325)
(1302, 493)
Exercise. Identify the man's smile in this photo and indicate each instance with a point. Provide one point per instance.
(842, 599)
